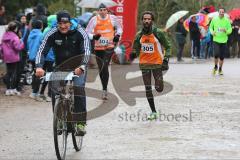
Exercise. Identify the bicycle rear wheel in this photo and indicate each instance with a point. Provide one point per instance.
(77, 140)
(60, 130)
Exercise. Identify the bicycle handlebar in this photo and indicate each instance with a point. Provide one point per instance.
(57, 76)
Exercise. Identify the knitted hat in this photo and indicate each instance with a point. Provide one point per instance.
(63, 16)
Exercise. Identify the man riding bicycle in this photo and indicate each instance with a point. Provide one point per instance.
(70, 43)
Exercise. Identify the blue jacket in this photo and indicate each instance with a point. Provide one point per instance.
(33, 43)
(207, 39)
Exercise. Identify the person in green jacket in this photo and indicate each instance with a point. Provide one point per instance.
(220, 28)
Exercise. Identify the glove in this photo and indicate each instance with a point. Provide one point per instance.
(116, 38)
(132, 56)
(165, 64)
(96, 36)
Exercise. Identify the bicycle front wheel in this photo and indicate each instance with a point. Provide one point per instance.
(60, 130)
(77, 140)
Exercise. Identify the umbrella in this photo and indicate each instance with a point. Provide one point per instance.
(234, 14)
(83, 19)
(207, 9)
(175, 17)
(215, 14)
(96, 3)
(201, 20)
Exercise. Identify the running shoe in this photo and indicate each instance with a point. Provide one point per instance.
(214, 71)
(80, 129)
(152, 116)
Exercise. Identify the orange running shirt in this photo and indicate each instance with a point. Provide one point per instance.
(106, 29)
(151, 50)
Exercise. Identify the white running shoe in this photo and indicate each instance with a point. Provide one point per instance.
(15, 92)
(8, 92)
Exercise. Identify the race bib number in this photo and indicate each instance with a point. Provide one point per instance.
(220, 30)
(104, 41)
(148, 48)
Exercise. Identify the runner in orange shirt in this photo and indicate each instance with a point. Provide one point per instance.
(106, 30)
(153, 49)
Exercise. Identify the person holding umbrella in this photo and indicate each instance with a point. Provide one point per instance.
(220, 28)
(181, 34)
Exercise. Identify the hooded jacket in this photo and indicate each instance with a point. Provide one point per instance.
(11, 46)
(34, 41)
(51, 20)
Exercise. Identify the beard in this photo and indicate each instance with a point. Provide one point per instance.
(147, 27)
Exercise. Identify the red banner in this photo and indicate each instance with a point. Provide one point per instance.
(126, 11)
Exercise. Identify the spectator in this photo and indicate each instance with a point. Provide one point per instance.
(181, 34)
(33, 44)
(195, 37)
(40, 14)
(49, 59)
(2, 15)
(205, 40)
(23, 54)
(11, 46)
(234, 39)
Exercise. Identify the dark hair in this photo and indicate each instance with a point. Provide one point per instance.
(1, 7)
(19, 16)
(102, 6)
(37, 24)
(148, 12)
(28, 17)
(13, 25)
(40, 9)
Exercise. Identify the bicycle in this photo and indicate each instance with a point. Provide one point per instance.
(64, 120)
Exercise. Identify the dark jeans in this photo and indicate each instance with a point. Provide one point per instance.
(103, 58)
(235, 49)
(21, 65)
(48, 67)
(195, 50)
(11, 76)
(180, 51)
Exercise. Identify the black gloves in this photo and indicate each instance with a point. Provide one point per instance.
(96, 36)
(116, 38)
(165, 64)
(132, 56)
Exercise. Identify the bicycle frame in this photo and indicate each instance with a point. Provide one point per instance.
(63, 113)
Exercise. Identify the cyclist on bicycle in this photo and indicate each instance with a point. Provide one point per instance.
(70, 43)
